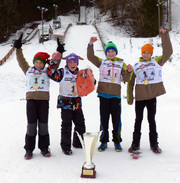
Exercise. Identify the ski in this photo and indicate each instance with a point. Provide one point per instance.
(135, 154)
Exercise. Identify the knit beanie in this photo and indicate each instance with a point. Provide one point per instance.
(112, 46)
(72, 57)
(42, 56)
(147, 47)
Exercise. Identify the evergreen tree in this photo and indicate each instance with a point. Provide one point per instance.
(149, 12)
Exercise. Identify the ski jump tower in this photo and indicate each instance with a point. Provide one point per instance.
(82, 15)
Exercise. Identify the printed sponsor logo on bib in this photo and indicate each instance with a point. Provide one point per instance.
(37, 80)
(148, 73)
(110, 72)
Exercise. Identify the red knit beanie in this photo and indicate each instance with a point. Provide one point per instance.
(147, 47)
(42, 56)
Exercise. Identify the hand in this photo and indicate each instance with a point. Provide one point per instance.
(56, 56)
(163, 31)
(18, 43)
(129, 68)
(60, 47)
(92, 40)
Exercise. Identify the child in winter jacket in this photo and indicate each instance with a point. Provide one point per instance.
(37, 97)
(109, 91)
(69, 101)
(149, 85)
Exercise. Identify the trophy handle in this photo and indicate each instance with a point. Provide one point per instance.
(81, 140)
(94, 143)
(99, 134)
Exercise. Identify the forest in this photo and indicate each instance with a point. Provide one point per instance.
(140, 16)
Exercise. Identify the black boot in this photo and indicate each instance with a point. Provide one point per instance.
(28, 155)
(135, 143)
(46, 152)
(154, 143)
(67, 151)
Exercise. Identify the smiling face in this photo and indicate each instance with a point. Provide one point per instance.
(111, 54)
(72, 65)
(38, 64)
(146, 55)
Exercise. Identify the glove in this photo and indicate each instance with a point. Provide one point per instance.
(60, 47)
(17, 43)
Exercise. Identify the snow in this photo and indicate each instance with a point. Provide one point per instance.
(110, 165)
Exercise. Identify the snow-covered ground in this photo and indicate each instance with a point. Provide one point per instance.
(110, 165)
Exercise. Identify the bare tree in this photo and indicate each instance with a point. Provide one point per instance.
(123, 5)
(169, 14)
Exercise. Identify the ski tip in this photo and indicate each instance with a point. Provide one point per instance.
(135, 154)
(135, 157)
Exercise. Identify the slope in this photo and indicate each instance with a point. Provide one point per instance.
(110, 165)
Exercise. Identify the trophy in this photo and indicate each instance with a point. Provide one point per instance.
(88, 144)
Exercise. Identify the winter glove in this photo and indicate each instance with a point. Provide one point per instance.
(60, 47)
(18, 43)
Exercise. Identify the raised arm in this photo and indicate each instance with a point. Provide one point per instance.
(54, 73)
(90, 53)
(19, 54)
(166, 46)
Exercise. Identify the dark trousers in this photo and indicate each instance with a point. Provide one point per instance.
(111, 107)
(37, 116)
(151, 112)
(69, 116)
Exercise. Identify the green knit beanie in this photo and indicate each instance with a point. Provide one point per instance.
(110, 46)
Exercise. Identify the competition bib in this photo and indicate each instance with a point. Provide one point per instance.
(148, 72)
(67, 86)
(110, 71)
(37, 80)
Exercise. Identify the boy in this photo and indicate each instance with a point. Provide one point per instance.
(109, 91)
(69, 101)
(37, 97)
(149, 85)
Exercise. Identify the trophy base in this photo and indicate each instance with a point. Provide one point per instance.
(88, 173)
